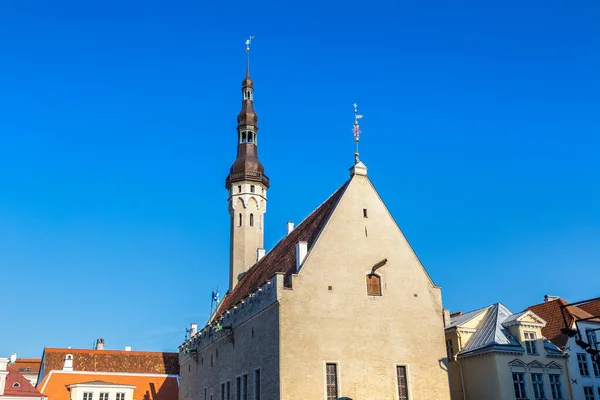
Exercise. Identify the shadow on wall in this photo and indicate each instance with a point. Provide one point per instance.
(164, 392)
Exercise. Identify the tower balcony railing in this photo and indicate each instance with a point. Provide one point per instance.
(247, 176)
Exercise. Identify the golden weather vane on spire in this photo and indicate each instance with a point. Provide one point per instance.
(356, 130)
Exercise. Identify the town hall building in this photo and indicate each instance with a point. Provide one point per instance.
(341, 307)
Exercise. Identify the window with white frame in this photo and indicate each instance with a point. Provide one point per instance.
(583, 366)
(331, 381)
(537, 381)
(596, 368)
(519, 385)
(588, 392)
(531, 343)
(449, 350)
(104, 396)
(555, 387)
(87, 395)
(121, 396)
(402, 382)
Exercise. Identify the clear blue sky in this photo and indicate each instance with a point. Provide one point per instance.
(117, 129)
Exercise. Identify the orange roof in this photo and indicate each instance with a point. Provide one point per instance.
(592, 307)
(22, 364)
(143, 362)
(550, 312)
(23, 387)
(148, 386)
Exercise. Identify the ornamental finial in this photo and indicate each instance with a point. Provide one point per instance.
(248, 42)
(357, 131)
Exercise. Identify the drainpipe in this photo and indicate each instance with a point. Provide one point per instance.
(462, 380)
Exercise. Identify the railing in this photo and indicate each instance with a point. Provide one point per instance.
(248, 175)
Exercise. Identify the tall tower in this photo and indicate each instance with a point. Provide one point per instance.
(247, 185)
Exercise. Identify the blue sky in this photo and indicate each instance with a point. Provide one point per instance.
(117, 129)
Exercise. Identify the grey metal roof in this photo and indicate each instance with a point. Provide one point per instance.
(514, 317)
(461, 319)
(491, 333)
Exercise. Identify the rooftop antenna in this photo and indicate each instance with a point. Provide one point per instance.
(357, 131)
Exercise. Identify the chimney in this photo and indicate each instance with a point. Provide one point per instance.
(68, 365)
(301, 250)
(13, 358)
(548, 298)
(260, 253)
(100, 344)
(193, 329)
(127, 348)
(290, 227)
(446, 315)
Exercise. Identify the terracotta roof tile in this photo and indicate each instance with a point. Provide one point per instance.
(282, 258)
(550, 311)
(593, 307)
(147, 386)
(143, 362)
(32, 363)
(24, 388)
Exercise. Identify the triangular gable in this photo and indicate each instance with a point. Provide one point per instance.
(530, 316)
(553, 365)
(282, 258)
(19, 386)
(535, 364)
(517, 364)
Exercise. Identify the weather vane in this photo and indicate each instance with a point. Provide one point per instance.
(356, 130)
(248, 42)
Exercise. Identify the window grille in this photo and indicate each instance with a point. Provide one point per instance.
(537, 380)
(583, 366)
(402, 382)
(519, 385)
(555, 387)
(332, 389)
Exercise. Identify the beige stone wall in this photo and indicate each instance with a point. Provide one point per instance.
(255, 346)
(245, 238)
(480, 378)
(328, 316)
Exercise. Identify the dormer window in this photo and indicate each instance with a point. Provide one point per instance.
(373, 285)
(16, 385)
(28, 369)
(530, 343)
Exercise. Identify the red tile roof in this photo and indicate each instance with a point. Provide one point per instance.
(22, 364)
(282, 258)
(24, 388)
(155, 387)
(143, 362)
(593, 307)
(550, 311)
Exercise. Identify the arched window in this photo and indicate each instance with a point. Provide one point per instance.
(373, 285)
(240, 219)
(251, 219)
(16, 384)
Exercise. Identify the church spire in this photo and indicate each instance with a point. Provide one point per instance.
(247, 185)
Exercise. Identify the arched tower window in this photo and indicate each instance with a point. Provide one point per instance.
(243, 138)
(240, 219)
(250, 137)
(251, 219)
(373, 285)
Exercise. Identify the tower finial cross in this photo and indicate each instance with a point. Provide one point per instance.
(357, 131)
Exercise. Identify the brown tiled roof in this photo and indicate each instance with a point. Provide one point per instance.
(143, 362)
(593, 307)
(24, 388)
(550, 312)
(21, 365)
(282, 258)
(147, 387)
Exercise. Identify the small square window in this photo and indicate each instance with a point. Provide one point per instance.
(87, 395)
(103, 396)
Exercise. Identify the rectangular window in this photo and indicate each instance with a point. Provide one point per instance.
(596, 368)
(588, 392)
(103, 396)
(87, 396)
(245, 387)
(257, 384)
(530, 343)
(222, 391)
(252, 188)
(228, 390)
(519, 385)
(555, 387)
(537, 380)
(373, 285)
(238, 388)
(121, 396)
(402, 382)
(331, 379)
(449, 350)
(205, 398)
(583, 366)
(365, 215)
